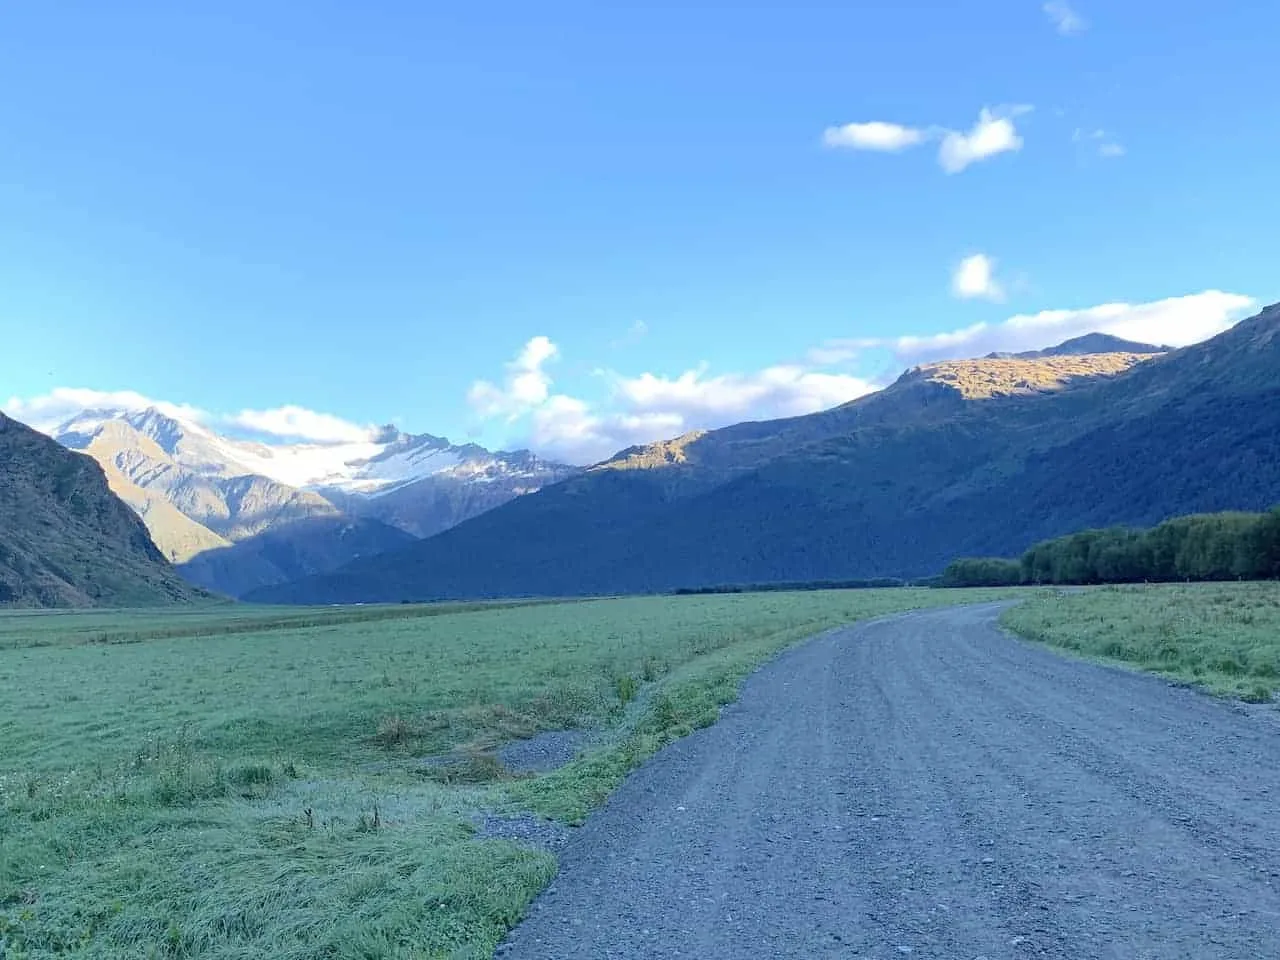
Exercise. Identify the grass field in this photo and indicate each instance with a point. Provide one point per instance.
(1222, 637)
(243, 783)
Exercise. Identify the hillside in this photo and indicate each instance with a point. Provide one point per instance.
(959, 458)
(235, 515)
(65, 540)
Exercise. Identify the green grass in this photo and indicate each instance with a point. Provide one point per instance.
(1224, 638)
(241, 783)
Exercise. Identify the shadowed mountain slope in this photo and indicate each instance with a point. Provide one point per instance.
(965, 457)
(65, 539)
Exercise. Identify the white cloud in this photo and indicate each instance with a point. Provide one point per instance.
(1111, 150)
(525, 387)
(875, 135)
(994, 133)
(1175, 322)
(299, 423)
(974, 277)
(48, 411)
(568, 429)
(702, 401)
(1064, 18)
(649, 406)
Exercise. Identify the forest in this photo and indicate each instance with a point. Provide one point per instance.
(1211, 546)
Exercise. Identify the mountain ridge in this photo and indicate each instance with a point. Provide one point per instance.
(230, 529)
(892, 484)
(1089, 343)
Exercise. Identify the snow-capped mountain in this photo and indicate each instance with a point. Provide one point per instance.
(238, 513)
(385, 461)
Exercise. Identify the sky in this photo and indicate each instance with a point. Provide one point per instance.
(577, 226)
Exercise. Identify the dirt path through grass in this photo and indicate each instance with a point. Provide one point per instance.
(928, 786)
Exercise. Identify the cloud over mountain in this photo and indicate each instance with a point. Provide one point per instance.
(1174, 321)
(624, 408)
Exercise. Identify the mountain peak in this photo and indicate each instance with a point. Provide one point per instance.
(166, 431)
(1087, 345)
(386, 459)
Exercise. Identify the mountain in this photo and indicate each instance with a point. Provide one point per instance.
(65, 540)
(236, 514)
(1091, 344)
(974, 457)
(466, 481)
(292, 550)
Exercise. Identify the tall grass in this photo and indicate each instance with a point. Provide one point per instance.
(1222, 637)
(234, 783)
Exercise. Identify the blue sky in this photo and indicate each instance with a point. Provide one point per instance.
(580, 225)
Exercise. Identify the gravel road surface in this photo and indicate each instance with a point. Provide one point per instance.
(927, 786)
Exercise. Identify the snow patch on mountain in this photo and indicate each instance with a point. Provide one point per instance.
(387, 460)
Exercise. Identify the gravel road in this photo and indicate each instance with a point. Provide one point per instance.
(927, 786)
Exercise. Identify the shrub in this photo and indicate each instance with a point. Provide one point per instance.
(393, 731)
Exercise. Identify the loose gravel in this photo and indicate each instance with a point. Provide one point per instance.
(524, 828)
(928, 786)
(544, 752)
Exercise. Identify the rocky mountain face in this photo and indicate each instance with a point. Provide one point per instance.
(65, 540)
(236, 515)
(962, 458)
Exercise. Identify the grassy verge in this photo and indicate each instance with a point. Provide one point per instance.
(1224, 638)
(220, 786)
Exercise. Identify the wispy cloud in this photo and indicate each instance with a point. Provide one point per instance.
(974, 277)
(993, 133)
(1064, 18)
(50, 411)
(1175, 321)
(703, 400)
(299, 423)
(1102, 142)
(635, 333)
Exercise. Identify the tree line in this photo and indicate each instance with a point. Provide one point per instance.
(1210, 546)
(876, 583)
